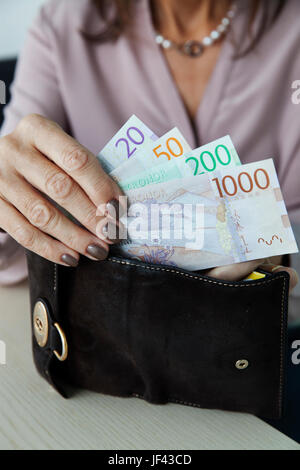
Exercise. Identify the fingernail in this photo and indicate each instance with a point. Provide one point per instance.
(114, 209)
(111, 232)
(270, 267)
(276, 268)
(69, 260)
(97, 252)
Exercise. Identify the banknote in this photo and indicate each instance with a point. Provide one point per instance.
(166, 222)
(166, 150)
(207, 158)
(232, 215)
(251, 204)
(158, 174)
(217, 154)
(125, 143)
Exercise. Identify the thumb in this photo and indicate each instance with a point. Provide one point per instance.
(273, 268)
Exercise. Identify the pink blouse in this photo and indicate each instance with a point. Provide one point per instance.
(91, 89)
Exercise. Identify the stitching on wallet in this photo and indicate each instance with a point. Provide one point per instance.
(55, 277)
(171, 400)
(190, 276)
(281, 348)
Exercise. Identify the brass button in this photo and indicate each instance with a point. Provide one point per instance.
(40, 324)
(242, 364)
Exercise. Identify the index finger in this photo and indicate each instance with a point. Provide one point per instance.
(77, 161)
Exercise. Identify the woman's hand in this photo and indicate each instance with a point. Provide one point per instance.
(39, 161)
(239, 271)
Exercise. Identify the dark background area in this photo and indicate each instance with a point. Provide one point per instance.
(7, 70)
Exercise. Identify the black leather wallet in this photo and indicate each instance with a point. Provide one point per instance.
(130, 329)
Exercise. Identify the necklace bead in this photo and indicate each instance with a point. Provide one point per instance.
(231, 14)
(207, 41)
(221, 28)
(226, 21)
(215, 35)
(166, 44)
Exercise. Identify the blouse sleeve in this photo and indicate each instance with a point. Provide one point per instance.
(35, 90)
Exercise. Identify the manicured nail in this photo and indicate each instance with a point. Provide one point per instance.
(272, 268)
(114, 209)
(97, 252)
(69, 260)
(277, 268)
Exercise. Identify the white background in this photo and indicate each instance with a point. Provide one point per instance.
(16, 16)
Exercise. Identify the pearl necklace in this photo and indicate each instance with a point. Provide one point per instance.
(196, 48)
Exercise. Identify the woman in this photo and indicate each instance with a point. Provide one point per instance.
(88, 65)
(87, 73)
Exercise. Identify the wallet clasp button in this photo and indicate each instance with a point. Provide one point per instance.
(242, 364)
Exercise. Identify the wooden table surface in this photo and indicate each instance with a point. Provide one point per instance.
(33, 416)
